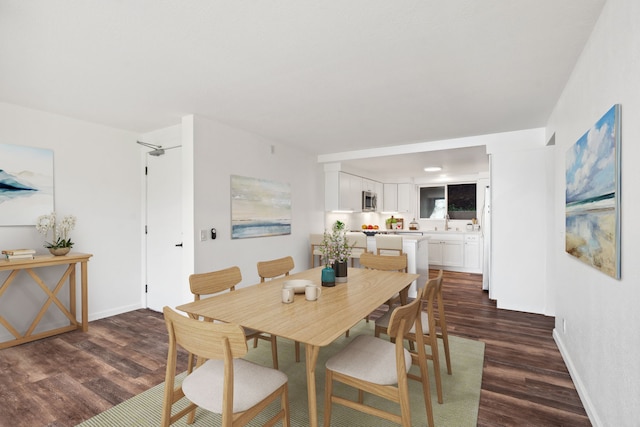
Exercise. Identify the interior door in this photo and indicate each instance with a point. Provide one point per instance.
(164, 234)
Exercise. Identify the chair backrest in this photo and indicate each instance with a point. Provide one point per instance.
(387, 242)
(207, 340)
(214, 281)
(429, 296)
(275, 268)
(357, 240)
(384, 262)
(404, 316)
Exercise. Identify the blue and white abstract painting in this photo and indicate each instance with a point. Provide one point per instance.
(26, 184)
(593, 195)
(259, 208)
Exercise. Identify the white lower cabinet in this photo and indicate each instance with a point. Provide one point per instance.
(472, 255)
(446, 250)
(456, 251)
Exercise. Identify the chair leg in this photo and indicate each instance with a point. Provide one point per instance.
(297, 345)
(433, 343)
(445, 338)
(274, 351)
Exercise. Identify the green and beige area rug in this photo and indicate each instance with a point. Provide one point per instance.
(461, 391)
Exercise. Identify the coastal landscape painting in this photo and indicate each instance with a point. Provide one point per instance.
(593, 195)
(259, 207)
(26, 184)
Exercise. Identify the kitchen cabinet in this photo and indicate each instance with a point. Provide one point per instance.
(472, 254)
(406, 193)
(342, 192)
(398, 198)
(390, 201)
(446, 250)
(456, 251)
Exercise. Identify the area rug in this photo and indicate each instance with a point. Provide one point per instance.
(461, 391)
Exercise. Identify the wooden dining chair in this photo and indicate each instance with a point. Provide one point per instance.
(275, 268)
(316, 242)
(388, 244)
(357, 240)
(222, 382)
(441, 323)
(380, 367)
(428, 326)
(214, 282)
(386, 263)
(270, 270)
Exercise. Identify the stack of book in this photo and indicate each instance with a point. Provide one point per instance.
(10, 254)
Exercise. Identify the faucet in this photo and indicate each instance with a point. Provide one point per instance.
(446, 222)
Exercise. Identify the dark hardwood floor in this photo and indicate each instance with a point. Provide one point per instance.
(63, 380)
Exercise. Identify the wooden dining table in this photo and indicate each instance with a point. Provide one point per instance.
(314, 323)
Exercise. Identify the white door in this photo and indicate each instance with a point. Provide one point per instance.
(164, 236)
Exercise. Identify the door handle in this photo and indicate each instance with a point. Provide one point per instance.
(179, 244)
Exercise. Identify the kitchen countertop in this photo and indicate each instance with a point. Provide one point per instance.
(423, 232)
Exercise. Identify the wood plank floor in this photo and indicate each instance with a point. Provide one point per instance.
(63, 380)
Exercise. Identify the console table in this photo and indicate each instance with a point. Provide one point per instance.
(29, 266)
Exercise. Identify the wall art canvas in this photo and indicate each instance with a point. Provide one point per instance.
(593, 195)
(259, 208)
(26, 184)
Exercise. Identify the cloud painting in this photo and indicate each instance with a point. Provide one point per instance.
(593, 196)
(26, 184)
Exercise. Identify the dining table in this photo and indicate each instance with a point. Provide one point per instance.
(315, 324)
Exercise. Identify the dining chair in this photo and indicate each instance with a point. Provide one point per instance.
(222, 382)
(270, 270)
(210, 283)
(357, 240)
(386, 263)
(275, 268)
(388, 244)
(381, 368)
(441, 322)
(316, 242)
(428, 327)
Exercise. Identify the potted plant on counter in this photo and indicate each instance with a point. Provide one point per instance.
(336, 251)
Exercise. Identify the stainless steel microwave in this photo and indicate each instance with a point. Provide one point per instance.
(369, 201)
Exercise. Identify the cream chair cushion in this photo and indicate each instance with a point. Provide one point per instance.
(252, 383)
(370, 359)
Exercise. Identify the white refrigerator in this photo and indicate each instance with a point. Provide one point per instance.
(486, 238)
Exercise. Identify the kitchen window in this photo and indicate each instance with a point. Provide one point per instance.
(456, 200)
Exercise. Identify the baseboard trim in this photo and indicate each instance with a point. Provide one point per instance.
(114, 311)
(580, 388)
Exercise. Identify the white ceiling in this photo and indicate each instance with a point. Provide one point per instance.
(327, 76)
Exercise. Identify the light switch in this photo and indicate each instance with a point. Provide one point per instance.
(203, 235)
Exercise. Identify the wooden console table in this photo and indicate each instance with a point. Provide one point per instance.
(29, 266)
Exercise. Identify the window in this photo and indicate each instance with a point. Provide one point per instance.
(432, 202)
(456, 200)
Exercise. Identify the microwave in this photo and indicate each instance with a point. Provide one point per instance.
(369, 201)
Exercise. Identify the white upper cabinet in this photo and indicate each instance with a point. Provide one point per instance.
(390, 200)
(406, 197)
(342, 192)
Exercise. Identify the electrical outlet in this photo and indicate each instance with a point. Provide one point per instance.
(203, 235)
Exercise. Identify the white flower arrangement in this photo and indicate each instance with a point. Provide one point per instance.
(60, 232)
(335, 247)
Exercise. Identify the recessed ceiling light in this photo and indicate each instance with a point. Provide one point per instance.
(432, 169)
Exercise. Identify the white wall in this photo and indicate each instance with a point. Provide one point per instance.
(602, 339)
(221, 151)
(96, 179)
